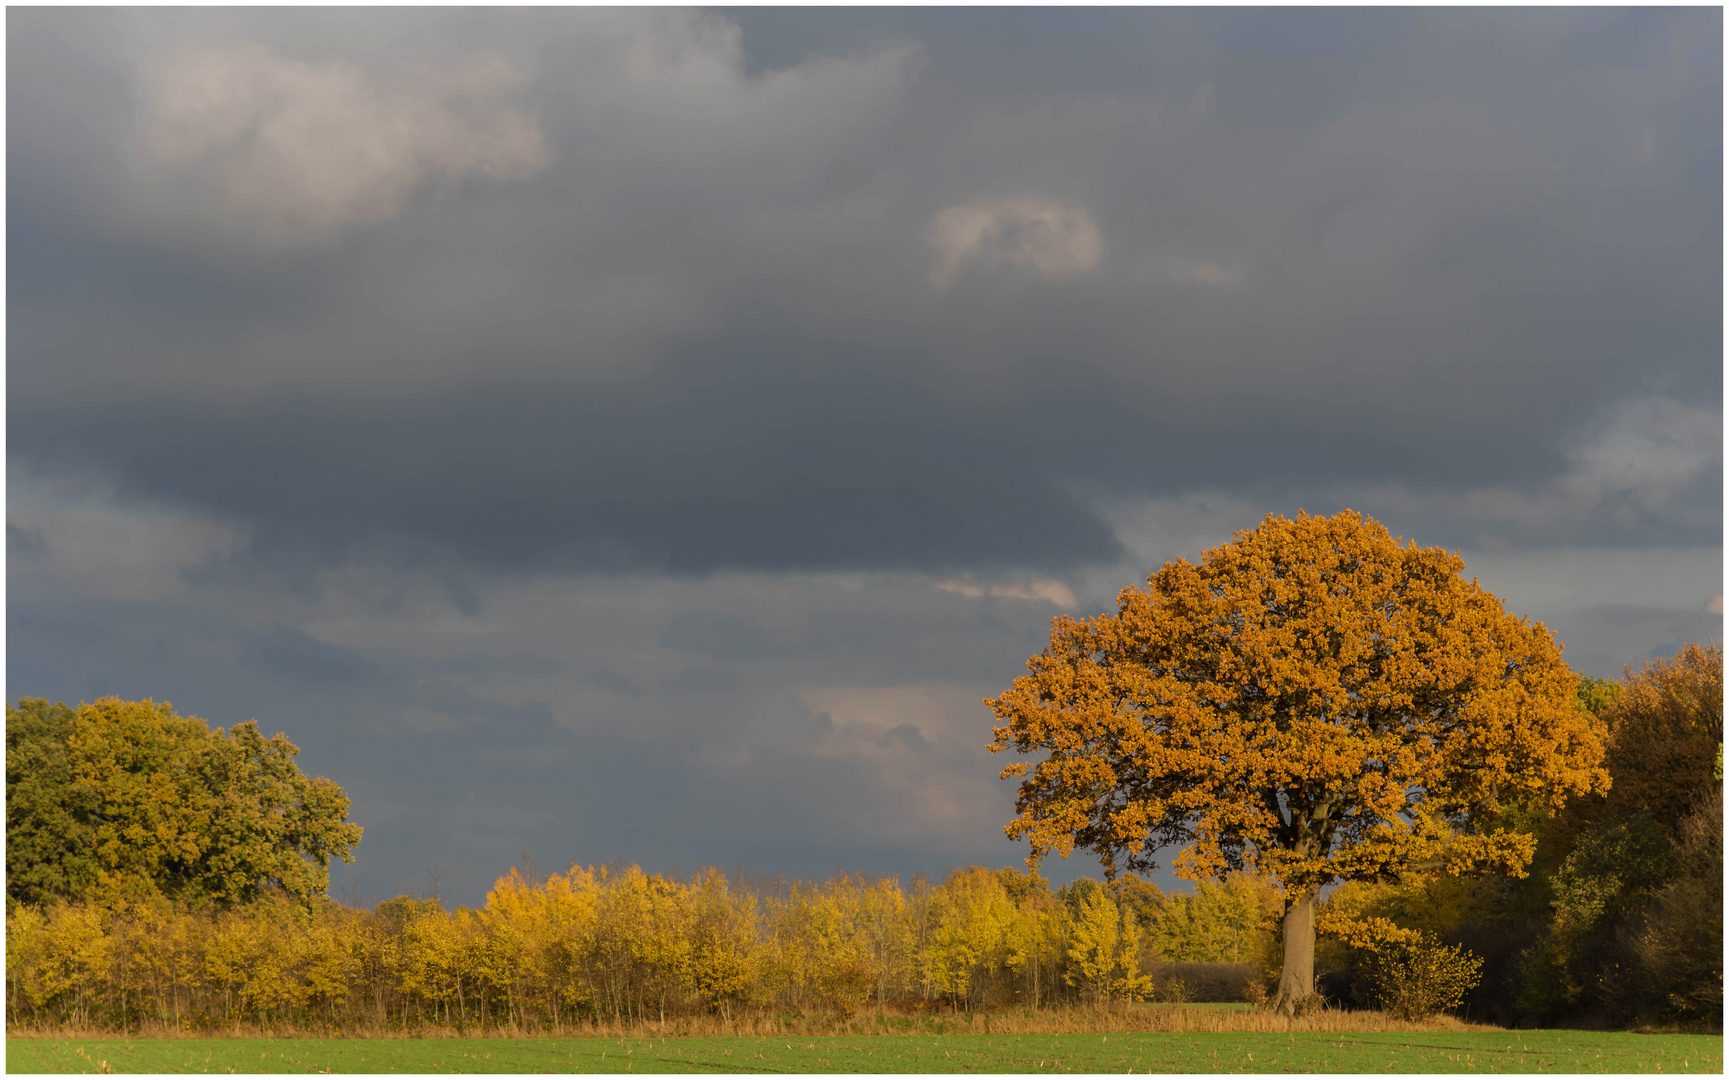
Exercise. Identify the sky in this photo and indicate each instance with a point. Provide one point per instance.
(649, 435)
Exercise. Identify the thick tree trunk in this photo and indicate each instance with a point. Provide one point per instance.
(1297, 980)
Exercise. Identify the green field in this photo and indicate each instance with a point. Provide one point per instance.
(1210, 1052)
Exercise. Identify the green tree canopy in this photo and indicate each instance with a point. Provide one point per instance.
(125, 801)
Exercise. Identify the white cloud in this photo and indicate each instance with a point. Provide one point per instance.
(1048, 590)
(299, 151)
(1050, 238)
(691, 49)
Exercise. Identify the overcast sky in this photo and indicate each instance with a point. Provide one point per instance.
(648, 435)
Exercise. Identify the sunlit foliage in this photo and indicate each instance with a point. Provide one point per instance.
(596, 944)
(1104, 950)
(1313, 701)
(1221, 922)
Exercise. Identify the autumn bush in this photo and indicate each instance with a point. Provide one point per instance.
(1422, 977)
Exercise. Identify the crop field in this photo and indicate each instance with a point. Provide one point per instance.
(1205, 1052)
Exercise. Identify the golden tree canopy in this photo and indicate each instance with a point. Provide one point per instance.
(1313, 700)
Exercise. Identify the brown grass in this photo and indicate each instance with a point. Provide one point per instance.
(1108, 1020)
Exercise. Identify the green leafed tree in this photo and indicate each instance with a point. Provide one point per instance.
(126, 801)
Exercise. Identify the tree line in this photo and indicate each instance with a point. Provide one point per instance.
(1618, 920)
(618, 944)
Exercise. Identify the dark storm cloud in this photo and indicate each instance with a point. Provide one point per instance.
(761, 466)
(1428, 265)
(551, 478)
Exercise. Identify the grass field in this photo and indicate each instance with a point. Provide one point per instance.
(1206, 1052)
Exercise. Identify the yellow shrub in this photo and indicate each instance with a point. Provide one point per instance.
(1418, 978)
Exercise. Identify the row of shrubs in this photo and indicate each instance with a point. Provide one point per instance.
(606, 944)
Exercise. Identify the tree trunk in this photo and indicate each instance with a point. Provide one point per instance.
(1297, 979)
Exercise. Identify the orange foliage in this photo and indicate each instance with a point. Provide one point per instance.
(1313, 700)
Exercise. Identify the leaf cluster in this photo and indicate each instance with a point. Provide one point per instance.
(1419, 976)
(127, 802)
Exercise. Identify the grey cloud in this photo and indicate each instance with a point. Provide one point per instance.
(699, 681)
(22, 543)
(608, 679)
(728, 638)
(1604, 640)
(696, 471)
(1423, 269)
(526, 718)
(286, 651)
(512, 664)
(907, 735)
(874, 467)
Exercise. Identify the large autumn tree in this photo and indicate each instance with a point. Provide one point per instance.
(1314, 701)
(124, 801)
